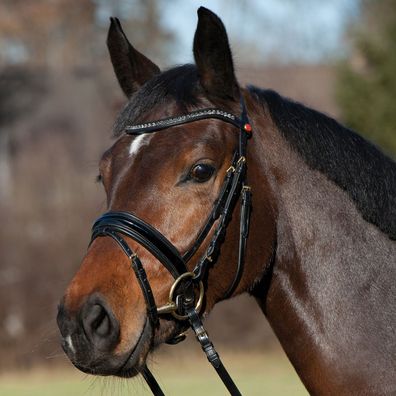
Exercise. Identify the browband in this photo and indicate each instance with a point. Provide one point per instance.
(154, 126)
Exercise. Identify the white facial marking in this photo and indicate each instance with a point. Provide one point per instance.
(138, 142)
(69, 342)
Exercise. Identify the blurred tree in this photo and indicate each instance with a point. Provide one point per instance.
(55, 33)
(62, 34)
(366, 88)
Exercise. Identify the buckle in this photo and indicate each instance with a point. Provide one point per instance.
(241, 160)
(172, 307)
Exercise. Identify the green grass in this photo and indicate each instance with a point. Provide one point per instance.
(188, 374)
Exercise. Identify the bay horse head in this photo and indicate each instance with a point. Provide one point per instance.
(318, 251)
(172, 179)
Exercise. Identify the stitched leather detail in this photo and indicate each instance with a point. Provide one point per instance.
(154, 126)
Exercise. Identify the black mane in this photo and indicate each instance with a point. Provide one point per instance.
(354, 164)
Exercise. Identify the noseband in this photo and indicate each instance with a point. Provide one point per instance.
(186, 293)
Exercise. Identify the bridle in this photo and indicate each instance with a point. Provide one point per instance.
(182, 296)
(187, 292)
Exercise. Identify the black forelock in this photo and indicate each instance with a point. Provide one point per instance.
(179, 84)
(354, 164)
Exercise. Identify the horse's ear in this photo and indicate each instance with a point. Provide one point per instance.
(131, 67)
(213, 57)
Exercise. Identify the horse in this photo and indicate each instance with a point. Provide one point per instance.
(315, 244)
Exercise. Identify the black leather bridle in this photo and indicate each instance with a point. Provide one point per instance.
(186, 294)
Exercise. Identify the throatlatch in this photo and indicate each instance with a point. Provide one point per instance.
(187, 292)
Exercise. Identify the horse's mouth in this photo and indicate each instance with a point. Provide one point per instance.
(137, 356)
(146, 343)
(126, 365)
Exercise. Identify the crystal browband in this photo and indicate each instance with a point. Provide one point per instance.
(183, 119)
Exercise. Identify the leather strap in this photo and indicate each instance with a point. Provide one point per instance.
(246, 205)
(154, 126)
(218, 208)
(210, 352)
(218, 237)
(152, 382)
(129, 225)
(139, 271)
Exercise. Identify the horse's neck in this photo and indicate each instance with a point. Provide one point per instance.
(331, 300)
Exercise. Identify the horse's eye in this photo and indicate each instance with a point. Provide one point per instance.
(201, 172)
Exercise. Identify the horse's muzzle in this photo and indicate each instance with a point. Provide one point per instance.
(90, 336)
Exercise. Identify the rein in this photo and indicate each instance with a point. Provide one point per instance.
(187, 292)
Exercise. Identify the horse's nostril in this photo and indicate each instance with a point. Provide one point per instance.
(98, 320)
(100, 325)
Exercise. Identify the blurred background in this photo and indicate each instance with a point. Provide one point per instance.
(59, 98)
